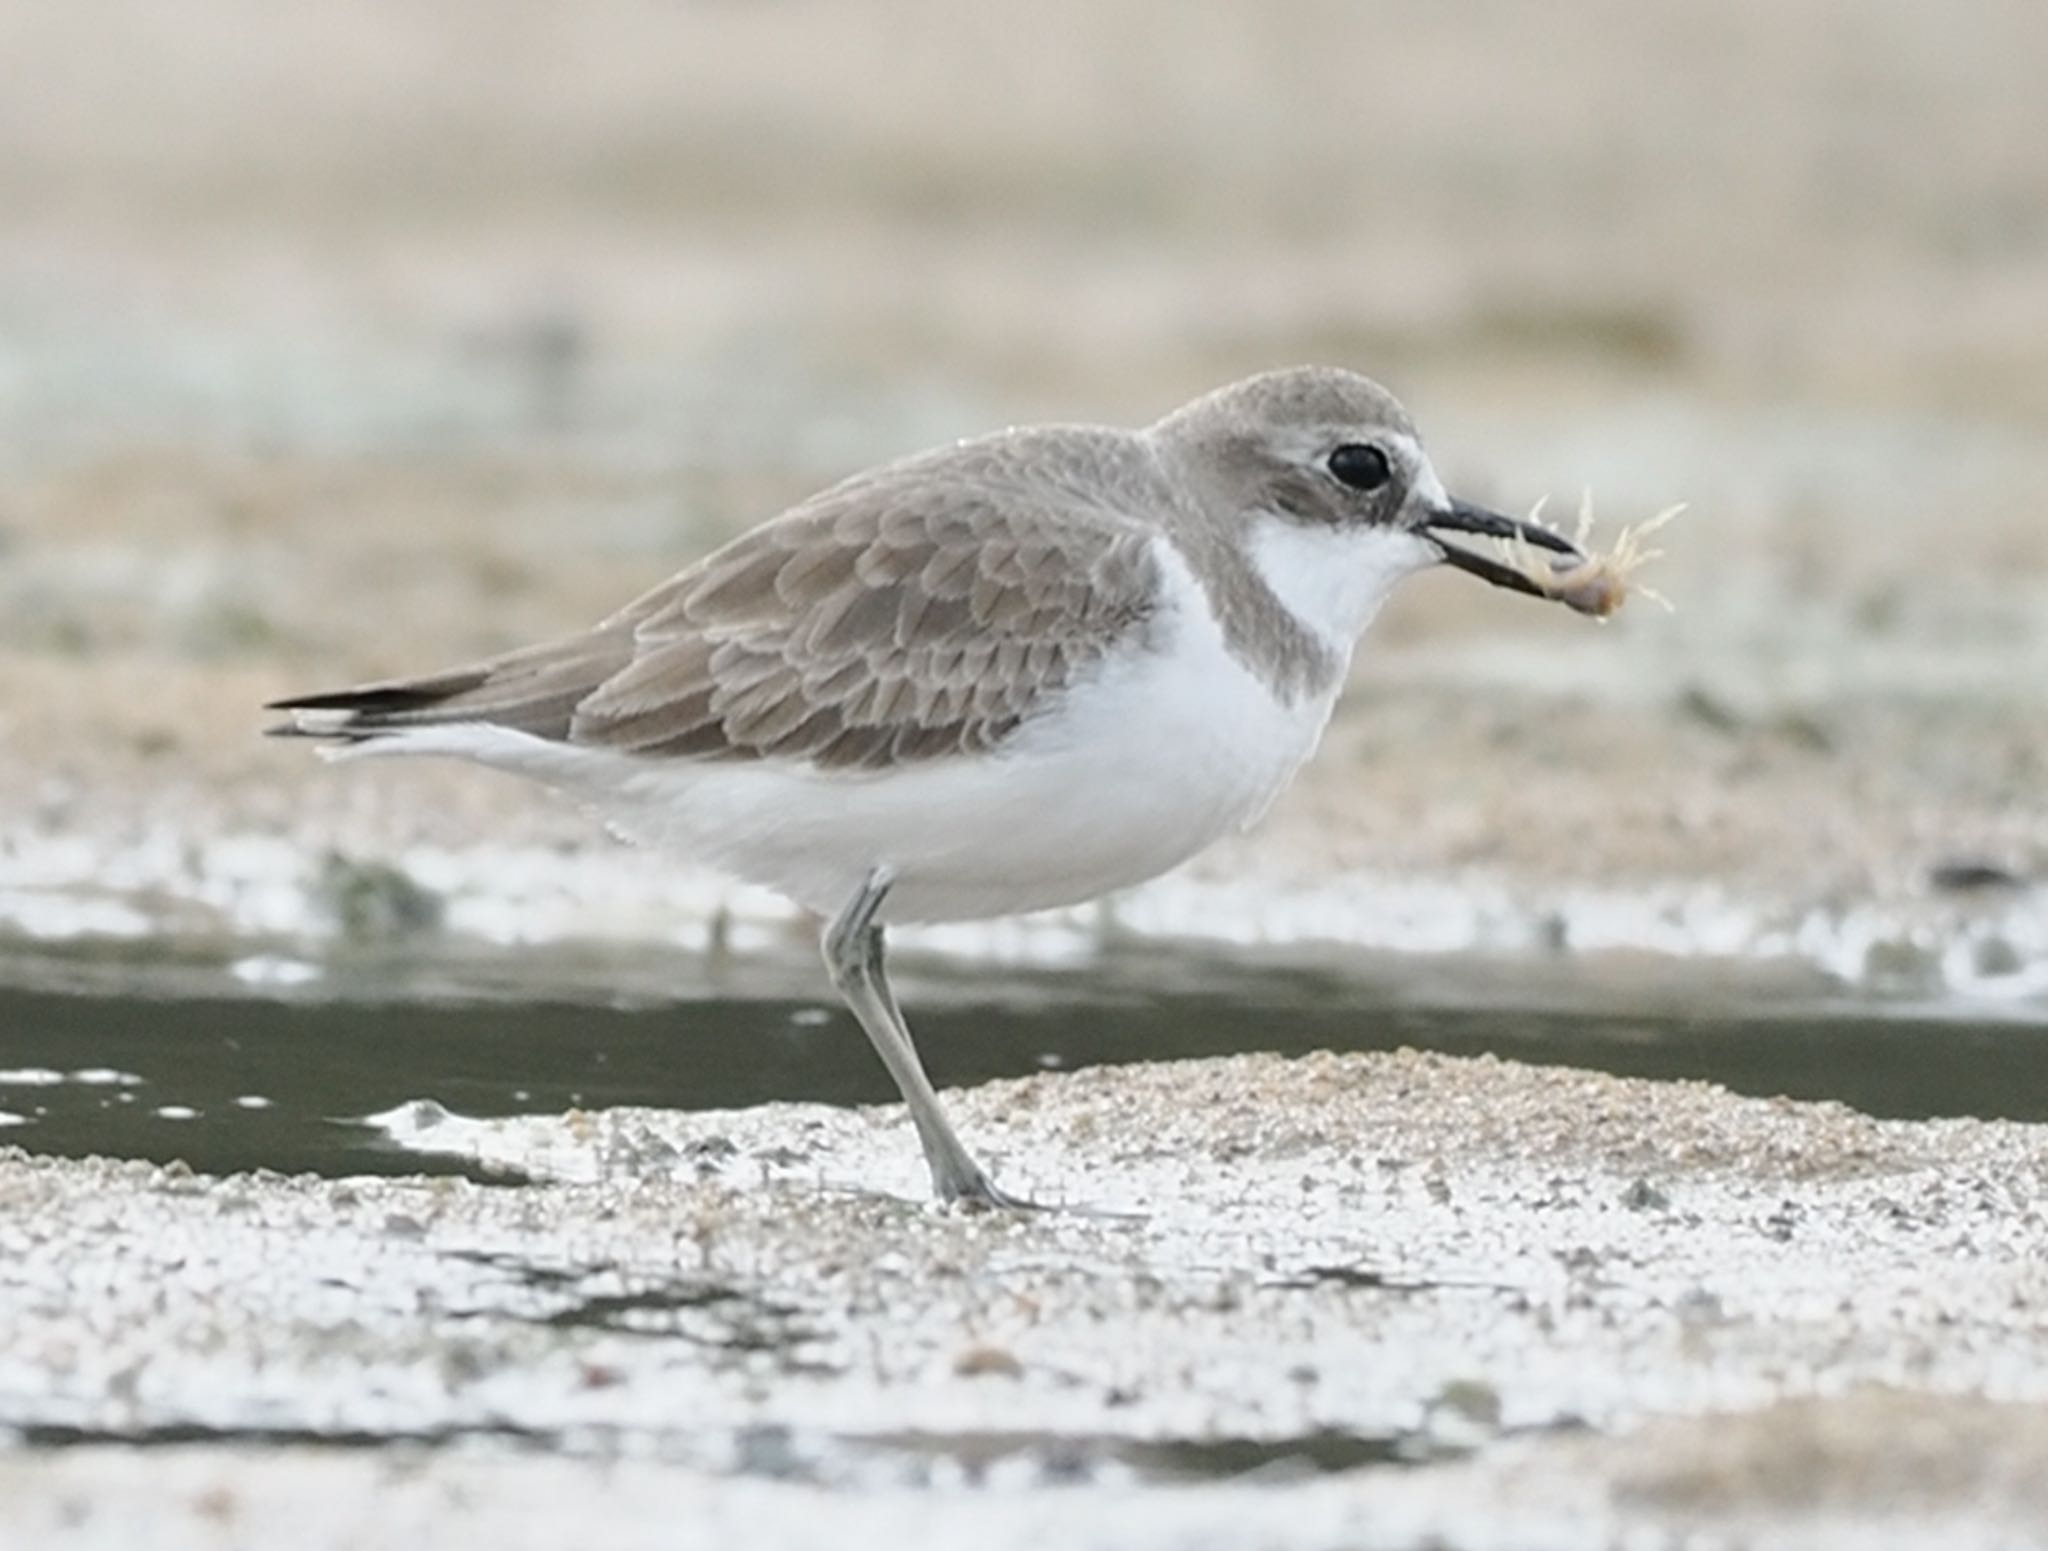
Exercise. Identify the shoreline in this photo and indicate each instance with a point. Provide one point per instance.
(266, 899)
(1466, 1281)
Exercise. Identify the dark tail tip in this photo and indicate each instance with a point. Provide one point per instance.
(379, 700)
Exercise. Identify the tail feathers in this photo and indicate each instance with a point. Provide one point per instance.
(534, 692)
(372, 708)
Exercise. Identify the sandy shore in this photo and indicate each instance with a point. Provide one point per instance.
(1464, 1299)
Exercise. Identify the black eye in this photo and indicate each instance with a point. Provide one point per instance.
(1360, 466)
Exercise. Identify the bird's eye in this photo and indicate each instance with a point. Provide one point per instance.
(1361, 466)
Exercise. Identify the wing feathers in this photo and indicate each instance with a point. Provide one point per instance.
(891, 619)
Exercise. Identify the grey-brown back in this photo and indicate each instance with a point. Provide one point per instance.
(924, 609)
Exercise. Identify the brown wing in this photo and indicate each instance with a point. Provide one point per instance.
(869, 632)
(888, 620)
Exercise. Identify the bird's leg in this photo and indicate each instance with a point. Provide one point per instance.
(853, 955)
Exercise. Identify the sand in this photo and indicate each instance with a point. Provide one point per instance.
(1378, 1298)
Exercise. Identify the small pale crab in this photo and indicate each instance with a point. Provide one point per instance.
(1531, 557)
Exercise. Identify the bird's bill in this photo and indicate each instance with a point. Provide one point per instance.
(1463, 517)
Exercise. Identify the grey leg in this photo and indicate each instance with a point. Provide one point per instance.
(853, 955)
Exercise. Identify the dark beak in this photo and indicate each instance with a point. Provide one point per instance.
(1463, 517)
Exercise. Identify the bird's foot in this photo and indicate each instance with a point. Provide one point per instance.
(976, 1192)
(980, 1194)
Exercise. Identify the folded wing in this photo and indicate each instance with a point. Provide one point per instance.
(883, 622)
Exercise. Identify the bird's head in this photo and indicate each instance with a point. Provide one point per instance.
(1320, 476)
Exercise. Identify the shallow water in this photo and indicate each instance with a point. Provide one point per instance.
(165, 1059)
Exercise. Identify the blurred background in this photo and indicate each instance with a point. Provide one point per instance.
(351, 339)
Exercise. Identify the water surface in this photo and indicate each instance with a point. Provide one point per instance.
(161, 1058)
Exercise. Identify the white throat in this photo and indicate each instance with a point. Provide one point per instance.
(1334, 580)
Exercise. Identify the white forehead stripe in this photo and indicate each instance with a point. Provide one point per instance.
(1422, 478)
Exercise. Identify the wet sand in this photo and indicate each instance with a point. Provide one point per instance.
(1466, 1299)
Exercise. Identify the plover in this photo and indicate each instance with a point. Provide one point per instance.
(1009, 674)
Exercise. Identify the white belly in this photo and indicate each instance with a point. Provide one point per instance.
(1132, 780)
(1160, 754)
